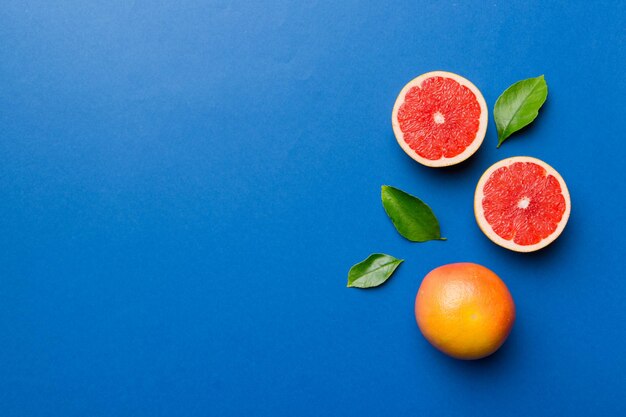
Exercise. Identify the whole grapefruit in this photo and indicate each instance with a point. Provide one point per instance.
(465, 310)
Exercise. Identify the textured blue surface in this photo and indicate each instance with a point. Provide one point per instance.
(184, 186)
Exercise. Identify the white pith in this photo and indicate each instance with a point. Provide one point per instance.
(486, 227)
(480, 134)
(523, 203)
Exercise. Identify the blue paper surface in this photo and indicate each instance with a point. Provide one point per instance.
(184, 186)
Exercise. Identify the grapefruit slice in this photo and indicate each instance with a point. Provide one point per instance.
(522, 204)
(439, 119)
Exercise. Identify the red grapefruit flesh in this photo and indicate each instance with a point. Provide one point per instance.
(439, 119)
(522, 204)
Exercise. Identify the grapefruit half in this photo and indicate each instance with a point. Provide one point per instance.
(439, 119)
(522, 204)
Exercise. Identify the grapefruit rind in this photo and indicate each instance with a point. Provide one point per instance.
(443, 161)
(486, 227)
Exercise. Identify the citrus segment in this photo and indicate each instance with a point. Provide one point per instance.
(522, 204)
(439, 118)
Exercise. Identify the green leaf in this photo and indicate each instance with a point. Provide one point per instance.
(411, 216)
(373, 271)
(519, 105)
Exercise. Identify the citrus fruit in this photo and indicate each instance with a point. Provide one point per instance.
(522, 204)
(464, 310)
(439, 119)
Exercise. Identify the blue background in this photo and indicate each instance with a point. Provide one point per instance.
(185, 184)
